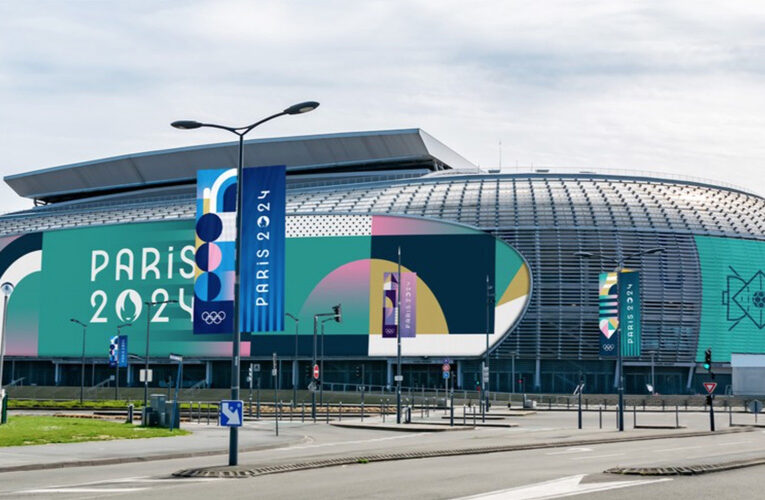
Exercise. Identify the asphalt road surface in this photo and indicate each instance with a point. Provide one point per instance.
(541, 473)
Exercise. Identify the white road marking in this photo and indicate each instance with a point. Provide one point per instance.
(680, 448)
(82, 490)
(592, 457)
(340, 443)
(558, 488)
(733, 443)
(569, 451)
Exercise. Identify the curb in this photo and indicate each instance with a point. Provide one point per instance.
(243, 471)
(439, 427)
(686, 470)
(149, 458)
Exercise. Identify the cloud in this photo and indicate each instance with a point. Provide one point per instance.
(667, 86)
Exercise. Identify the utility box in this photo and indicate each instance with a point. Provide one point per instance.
(155, 414)
(748, 374)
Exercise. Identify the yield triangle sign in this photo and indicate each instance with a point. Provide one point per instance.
(710, 387)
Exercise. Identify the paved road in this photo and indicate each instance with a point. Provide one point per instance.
(513, 475)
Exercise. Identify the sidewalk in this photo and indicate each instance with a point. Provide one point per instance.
(204, 440)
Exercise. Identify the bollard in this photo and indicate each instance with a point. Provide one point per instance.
(634, 416)
(600, 417)
(644, 406)
(130, 413)
(586, 404)
(302, 413)
(662, 405)
(362, 410)
(474, 416)
(327, 411)
(677, 417)
(730, 416)
(464, 422)
(616, 413)
(208, 414)
(340, 413)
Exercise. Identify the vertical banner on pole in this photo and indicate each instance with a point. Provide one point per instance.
(215, 235)
(122, 351)
(261, 289)
(608, 313)
(113, 351)
(408, 289)
(629, 313)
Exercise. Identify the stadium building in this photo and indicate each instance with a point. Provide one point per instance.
(494, 258)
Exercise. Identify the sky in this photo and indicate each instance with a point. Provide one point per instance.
(643, 86)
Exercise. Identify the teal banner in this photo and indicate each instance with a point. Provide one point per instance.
(733, 297)
(629, 313)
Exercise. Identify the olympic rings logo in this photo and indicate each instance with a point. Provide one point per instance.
(213, 317)
(608, 347)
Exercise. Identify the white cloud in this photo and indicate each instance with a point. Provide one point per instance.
(669, 86)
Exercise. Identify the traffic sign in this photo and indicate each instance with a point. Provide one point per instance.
(398, 378)
(446, 368)
(710, 387)
(755, 406)
(446, 375)
(255, 367)
(176, 357)
(316, 372)
(231, 413)
(142, 375)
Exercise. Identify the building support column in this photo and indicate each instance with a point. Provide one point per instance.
(538, 376)
(459, 375)
(208, 373)
(56, 373)
(691, 371)
(129, 379)
(295, 372)
(389, 373)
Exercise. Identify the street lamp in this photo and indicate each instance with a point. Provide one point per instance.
(485, 373)
(337, 315)
(149, 304)
(399, 376)
(7, 289)
(295, 109)
(294, 377)
(117, 367)
(82, 357)
(619, 365)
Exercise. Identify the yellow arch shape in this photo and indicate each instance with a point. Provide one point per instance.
(430, 316)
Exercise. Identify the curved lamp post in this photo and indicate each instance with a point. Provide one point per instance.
(618, 269)
(295, 109)
(7, 289)
(82, 356)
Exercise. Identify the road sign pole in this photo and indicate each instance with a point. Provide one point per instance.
(711, 412)
(581, 389)
(274, 374)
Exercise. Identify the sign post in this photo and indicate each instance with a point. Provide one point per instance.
(275, 374)
(179, 359)
(710, 388)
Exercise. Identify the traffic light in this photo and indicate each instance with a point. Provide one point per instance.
(358, 371)
(708, 359)
(709, 400)
(338, 313)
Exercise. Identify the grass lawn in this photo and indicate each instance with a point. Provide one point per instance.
(20, 404)
(27, 430)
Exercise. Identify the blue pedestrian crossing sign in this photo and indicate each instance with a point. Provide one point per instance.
(231, 413)
(445, 375)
